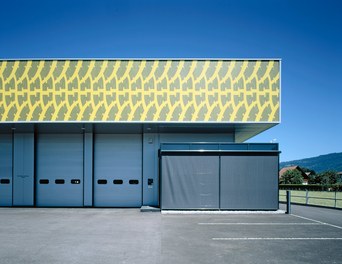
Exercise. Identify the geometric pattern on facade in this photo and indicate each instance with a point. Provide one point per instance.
(140, 90)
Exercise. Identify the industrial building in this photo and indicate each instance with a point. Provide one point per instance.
(167, 133)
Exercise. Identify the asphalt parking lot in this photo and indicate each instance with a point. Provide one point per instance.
(48, 235)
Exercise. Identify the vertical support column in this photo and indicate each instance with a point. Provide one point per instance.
(23, 169)
(288, 202)
(150, 170)
(6, 169)
(88, 170)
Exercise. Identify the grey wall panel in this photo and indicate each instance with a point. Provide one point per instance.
(195, 137)
(190, 182)
(60, 162)
(150, 170)
(88, 169)
(118, 157)
(23, 169)
(6, 170)
(249, 182)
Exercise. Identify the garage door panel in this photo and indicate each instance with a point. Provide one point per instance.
(249, 182)
(60, 170)
(117, 170)
(190, 182)
(53, 194)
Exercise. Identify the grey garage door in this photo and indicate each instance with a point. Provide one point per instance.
(233, 182)
(190, 182)
(118, 170)
(59, 170)
(249, 182)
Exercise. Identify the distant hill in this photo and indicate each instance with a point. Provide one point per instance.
(332, 161)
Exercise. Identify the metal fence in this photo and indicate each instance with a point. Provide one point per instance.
(327, 199)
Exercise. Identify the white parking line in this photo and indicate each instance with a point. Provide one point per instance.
(316, 221)
(275, 224)
(274, 238)
(203, 212)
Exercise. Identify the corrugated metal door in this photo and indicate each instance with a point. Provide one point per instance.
(118, 170)
(59, 170)
(190, 182)
(249, 182)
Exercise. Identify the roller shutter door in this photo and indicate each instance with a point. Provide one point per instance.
(249, 182)
(117, 170)
(190, 182)
(59, 170)
(238, 181)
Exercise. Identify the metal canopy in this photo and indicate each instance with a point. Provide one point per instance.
(204, 148)
(242, 131)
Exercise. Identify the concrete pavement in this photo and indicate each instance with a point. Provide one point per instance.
(69, 235)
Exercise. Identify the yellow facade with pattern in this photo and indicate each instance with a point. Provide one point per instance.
(229, 91)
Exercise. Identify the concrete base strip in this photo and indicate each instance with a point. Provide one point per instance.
(273, 238)
(316, 221)
(220, 212)
(275, 224)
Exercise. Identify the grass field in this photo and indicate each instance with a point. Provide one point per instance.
(313, 198)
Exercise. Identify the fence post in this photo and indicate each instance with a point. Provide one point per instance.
(335, 199)
(288, 202)
(306, 197)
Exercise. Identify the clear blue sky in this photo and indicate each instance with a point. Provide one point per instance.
(306, 35)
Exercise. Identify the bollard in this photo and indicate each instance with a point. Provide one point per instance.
(288, 202)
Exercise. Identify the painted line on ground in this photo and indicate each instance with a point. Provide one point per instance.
(273, 238)
(217, 212)
(316, 221)
(275, 224)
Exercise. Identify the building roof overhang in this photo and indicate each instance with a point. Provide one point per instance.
(241, 131)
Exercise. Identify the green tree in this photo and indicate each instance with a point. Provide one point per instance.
(327, 177)
(314, 179)
(291, 177)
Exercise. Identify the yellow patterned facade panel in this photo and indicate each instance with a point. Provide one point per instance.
(140, 90)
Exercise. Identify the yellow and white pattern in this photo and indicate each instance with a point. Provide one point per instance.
(140, 90)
